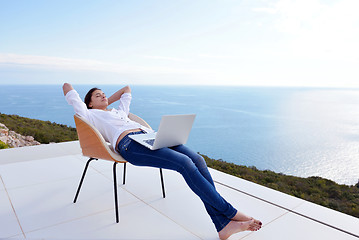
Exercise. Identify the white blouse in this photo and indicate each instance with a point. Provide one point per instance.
(110, 123)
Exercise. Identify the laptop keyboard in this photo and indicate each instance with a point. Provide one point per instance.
(149, 141)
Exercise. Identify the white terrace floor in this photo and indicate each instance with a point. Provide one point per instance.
(38, 184)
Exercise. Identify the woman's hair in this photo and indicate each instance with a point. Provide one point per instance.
(88, 97)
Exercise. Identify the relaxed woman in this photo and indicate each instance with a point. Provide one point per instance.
(116, 127)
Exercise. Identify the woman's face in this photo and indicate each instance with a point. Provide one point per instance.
(98, 100)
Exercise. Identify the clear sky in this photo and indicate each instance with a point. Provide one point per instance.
(200, 42)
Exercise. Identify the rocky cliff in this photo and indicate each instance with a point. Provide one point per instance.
(14, 139)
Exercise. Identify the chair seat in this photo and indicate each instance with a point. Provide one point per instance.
(116, 156)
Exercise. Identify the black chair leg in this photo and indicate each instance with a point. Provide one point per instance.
(115, 190)
(124, 174)
(161, 175)
(82, 178)
(162, 183)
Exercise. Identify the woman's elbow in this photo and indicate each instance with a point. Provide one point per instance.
(127, 89)
(66, 88)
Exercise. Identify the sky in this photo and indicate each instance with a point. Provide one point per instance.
(183, 42)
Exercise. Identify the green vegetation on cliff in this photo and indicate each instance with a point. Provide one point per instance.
(318, 190)
(42, 131)
(3, 145)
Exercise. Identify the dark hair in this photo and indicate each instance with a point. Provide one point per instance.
(88, 97)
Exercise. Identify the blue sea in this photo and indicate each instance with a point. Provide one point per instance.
(297, 131)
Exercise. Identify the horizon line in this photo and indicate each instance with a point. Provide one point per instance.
(183, 85)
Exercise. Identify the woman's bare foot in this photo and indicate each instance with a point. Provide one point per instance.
(237, 226)
(241, 217)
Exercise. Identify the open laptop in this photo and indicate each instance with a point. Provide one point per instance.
(173, 130)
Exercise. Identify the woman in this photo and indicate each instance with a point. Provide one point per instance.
(116, 127)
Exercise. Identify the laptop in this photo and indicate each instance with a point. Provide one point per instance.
(173, 130)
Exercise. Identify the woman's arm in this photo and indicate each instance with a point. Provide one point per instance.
(74, 100)
(117, 95)
(67, 88)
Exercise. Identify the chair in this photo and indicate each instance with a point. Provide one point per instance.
(95, 147)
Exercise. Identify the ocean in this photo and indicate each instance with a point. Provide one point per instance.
(296, 131)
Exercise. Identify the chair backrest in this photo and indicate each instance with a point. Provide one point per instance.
(92, 142)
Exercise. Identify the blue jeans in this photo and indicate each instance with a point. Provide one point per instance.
(191, 166)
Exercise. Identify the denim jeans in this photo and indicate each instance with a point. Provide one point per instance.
(190, 165)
